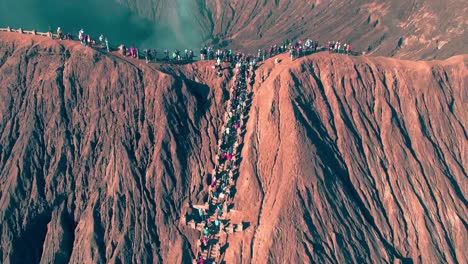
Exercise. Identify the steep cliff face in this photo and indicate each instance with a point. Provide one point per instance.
(359, 160)
(346, 159)
(404, 29)
(97, 155)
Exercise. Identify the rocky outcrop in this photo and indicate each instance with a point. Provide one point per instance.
(345, 159)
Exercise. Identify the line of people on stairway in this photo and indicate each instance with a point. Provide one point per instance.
(236, 61)
(221, 185)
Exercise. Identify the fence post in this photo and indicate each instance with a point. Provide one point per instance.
(34, 32)
(8, 29)
(20, 30)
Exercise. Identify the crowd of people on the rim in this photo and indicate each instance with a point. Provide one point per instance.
(295, 49)
(222, 182)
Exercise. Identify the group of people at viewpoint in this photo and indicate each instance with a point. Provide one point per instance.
(302, 48)
(150, 55)
(85, 39)
(296, 49)
(227, 56)
(221, 184)
(338, 47)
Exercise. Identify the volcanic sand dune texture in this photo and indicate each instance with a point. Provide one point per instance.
(405, 29)
(346, 159)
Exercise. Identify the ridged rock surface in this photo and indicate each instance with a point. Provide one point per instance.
(97, 155)
(357, 160)
(346, 159)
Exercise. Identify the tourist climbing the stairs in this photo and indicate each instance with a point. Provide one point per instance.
(213, 181)
(204, 243)
(206, 231)
(200, 259)
(201, 214)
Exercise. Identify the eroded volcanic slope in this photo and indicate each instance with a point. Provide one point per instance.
(346, 159)
(97, 156)
(405, 29)
(357, 160)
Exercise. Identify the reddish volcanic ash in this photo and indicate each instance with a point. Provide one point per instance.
(345, 159)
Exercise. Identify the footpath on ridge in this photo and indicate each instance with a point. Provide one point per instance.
(212, 219)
